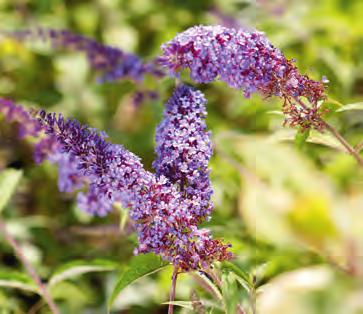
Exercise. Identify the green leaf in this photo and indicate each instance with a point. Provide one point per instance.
(76, 268)
(301, 137)
(13, 279)
(230, 293)
(276, 112)
(185, 304)
(315, 137)
(139, 266)
(9, 179)
(348, 107)
(124, 215)
(238, 272)
(325, 139)
(71, 293)
(189, 304)
(330, 104)
(211, 286)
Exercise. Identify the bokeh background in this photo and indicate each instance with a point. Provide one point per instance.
(293, 210)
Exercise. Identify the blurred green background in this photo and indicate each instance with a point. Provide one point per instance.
(293, 212)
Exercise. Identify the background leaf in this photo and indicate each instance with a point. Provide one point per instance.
(139, 266)
(348, 107)
(76, 268)
(13, 279)
(9, 180)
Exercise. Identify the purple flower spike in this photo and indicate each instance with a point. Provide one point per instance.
(28, 126)
(69, 179)
(166, 226)
(166, 218)
(112, 170)
(165, 210)
(244, 60)
(184, 148)
(112, 63)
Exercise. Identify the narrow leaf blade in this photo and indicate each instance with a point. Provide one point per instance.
(140, 266)
(17, 280)
(238, 272)
(348, 107)
(77, 268)
(9, 180)
(301, 138)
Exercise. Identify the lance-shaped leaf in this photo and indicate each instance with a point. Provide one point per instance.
(9, 180)
(13, 279)
(76, 268)
(140, 266)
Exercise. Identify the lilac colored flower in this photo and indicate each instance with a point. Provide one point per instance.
(94, 203)
(164, 216)
(244, 60)
(166, 226)
(17, 114)
(69, 179)
(183, 148)
(112, 63)
(140, 96)
(46, 148)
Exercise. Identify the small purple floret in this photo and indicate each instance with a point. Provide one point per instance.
(184, 148)
(244, 60)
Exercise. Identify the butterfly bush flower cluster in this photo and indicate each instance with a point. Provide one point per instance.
(183, 148)
(166, 208)
(247, 61)
(45, 147)
(112, 63)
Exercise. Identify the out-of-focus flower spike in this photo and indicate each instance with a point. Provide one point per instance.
(110, 62)
(164, 216)
(12, 112)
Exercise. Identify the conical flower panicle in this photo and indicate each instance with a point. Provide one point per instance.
(164, 216)
(184, 148)
(244, 60)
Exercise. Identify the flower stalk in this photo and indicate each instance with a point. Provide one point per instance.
(173, 290)
(29, 268)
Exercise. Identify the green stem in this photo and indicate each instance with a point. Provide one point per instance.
(173, 290)
(343, 141)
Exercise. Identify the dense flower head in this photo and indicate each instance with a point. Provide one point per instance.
(183, 148)
(164, 216)
(112, 63)
(166, 226)
(244, 60)
(165, 207)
